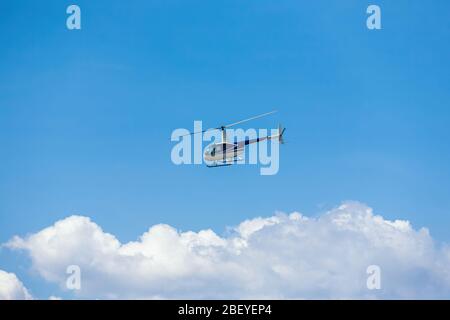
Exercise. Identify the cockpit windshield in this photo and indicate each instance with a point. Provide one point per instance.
(211, 150)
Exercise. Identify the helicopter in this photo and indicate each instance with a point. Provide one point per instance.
(225, 153)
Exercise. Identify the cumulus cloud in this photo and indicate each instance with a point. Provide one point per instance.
(284, 256)
(11, 288)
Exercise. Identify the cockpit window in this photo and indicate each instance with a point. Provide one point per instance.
(213, 151)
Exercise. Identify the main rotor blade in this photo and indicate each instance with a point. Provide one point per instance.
(252, 118)
(229, 125)
(192, 133)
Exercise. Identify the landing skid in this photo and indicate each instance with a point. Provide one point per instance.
(215, 164)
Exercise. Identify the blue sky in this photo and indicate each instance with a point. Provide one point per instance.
(86, 115)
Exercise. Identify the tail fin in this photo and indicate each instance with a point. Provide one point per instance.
(280, 133)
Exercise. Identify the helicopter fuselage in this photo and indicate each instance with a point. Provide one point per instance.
(223, 151)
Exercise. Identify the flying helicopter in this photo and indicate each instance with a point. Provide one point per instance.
(225, 153)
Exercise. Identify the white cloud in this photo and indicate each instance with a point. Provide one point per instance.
(11, 288)
(284, 256)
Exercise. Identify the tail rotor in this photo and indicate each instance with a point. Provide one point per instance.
(281, 133)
